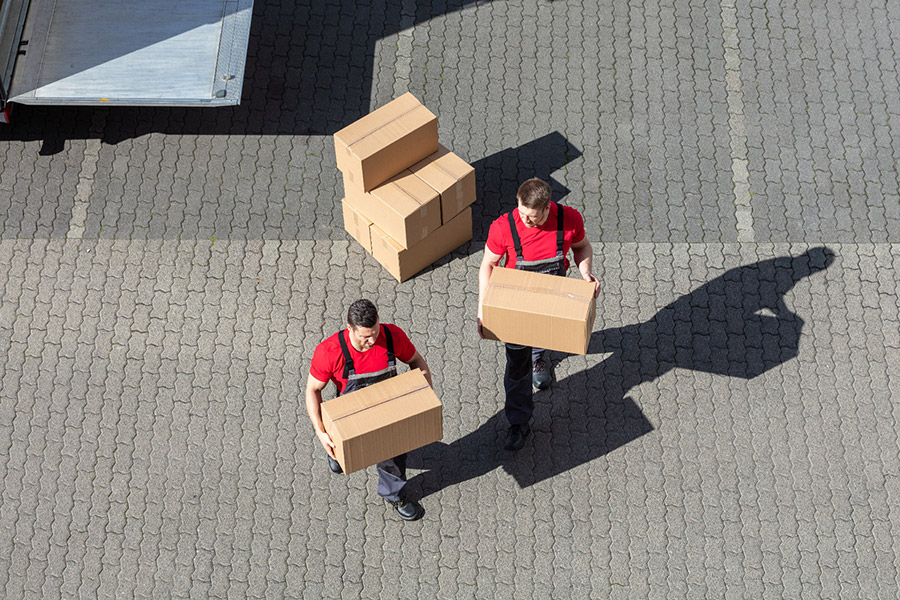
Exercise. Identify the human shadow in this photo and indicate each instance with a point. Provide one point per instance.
(738, 325)
(499, 175)
(497, 179)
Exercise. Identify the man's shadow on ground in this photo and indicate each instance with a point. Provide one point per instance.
(499, 175)
(497, 180)
(737, 324)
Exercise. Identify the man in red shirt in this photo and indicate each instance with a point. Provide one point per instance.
(354, 358)
(535, 237)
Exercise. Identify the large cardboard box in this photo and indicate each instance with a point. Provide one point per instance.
(386, 141)
(357, 226)
(383, 420)
(452, 177)
(405, 207)
(403, 263)
(533, 309)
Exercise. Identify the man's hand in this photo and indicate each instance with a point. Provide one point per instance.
(326, 442)
(488, 262)
(418, 362)
(583, 253)
(314, 389)
(590, 277)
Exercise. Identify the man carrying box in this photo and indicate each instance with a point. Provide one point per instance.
(355, 358)
(535, 237)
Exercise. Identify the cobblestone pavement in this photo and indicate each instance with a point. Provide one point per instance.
(732, 432)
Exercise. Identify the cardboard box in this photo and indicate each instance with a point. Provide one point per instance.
(383, 420)
(452, 177)
(357, 226)
(405, 207)
(403, 263)
(533, 309)
(386, 141)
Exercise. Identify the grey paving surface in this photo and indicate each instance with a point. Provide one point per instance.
(732, 433)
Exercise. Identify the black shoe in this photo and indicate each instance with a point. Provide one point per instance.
(540, 374)
(515, 438)
(408, 511)
(334, 465)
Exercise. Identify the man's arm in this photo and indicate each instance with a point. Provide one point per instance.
(418, 362)
(488, 262)
(314, 389)
(583, 253)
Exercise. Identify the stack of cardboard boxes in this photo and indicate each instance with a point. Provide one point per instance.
(406, 197)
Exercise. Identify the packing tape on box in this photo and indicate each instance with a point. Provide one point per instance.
(459, 181)
(423, 208)
(419, 389)
(447, 171)
(371, 131)
(517, 288)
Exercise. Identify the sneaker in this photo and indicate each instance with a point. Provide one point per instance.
(408, 511)
(540, 374)
(515, 437)
(334, 465)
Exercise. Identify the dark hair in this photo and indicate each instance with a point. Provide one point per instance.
(362, 313)
(534, 193)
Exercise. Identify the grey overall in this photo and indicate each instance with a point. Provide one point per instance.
(391, 472)
(519, 359)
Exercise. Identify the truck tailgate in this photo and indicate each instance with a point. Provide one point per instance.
(133, 52)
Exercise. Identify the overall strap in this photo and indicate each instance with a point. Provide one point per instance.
(348, 360)
(517, 242)
(389, 341)
(559, 228)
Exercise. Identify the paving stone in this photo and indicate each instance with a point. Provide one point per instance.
(730, 433)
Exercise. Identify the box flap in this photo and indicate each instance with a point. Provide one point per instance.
(403, 263)
(391, 121)
(538, 293)
(442, 169)
(410, 386)
(380, 237)
(405, 193)
(357, 225)
(376, 119)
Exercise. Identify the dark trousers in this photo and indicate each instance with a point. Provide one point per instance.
(517, 383)
(391, 477)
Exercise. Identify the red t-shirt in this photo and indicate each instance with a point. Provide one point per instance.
(328, 360)
(538, 243)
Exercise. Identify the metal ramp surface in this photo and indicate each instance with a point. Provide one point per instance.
(147, 52)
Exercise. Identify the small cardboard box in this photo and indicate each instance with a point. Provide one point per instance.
(383, 420)
(357, 226)
(386, 141)
(405, 207)
(403, 263)
(452, 177)
(544, 311)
